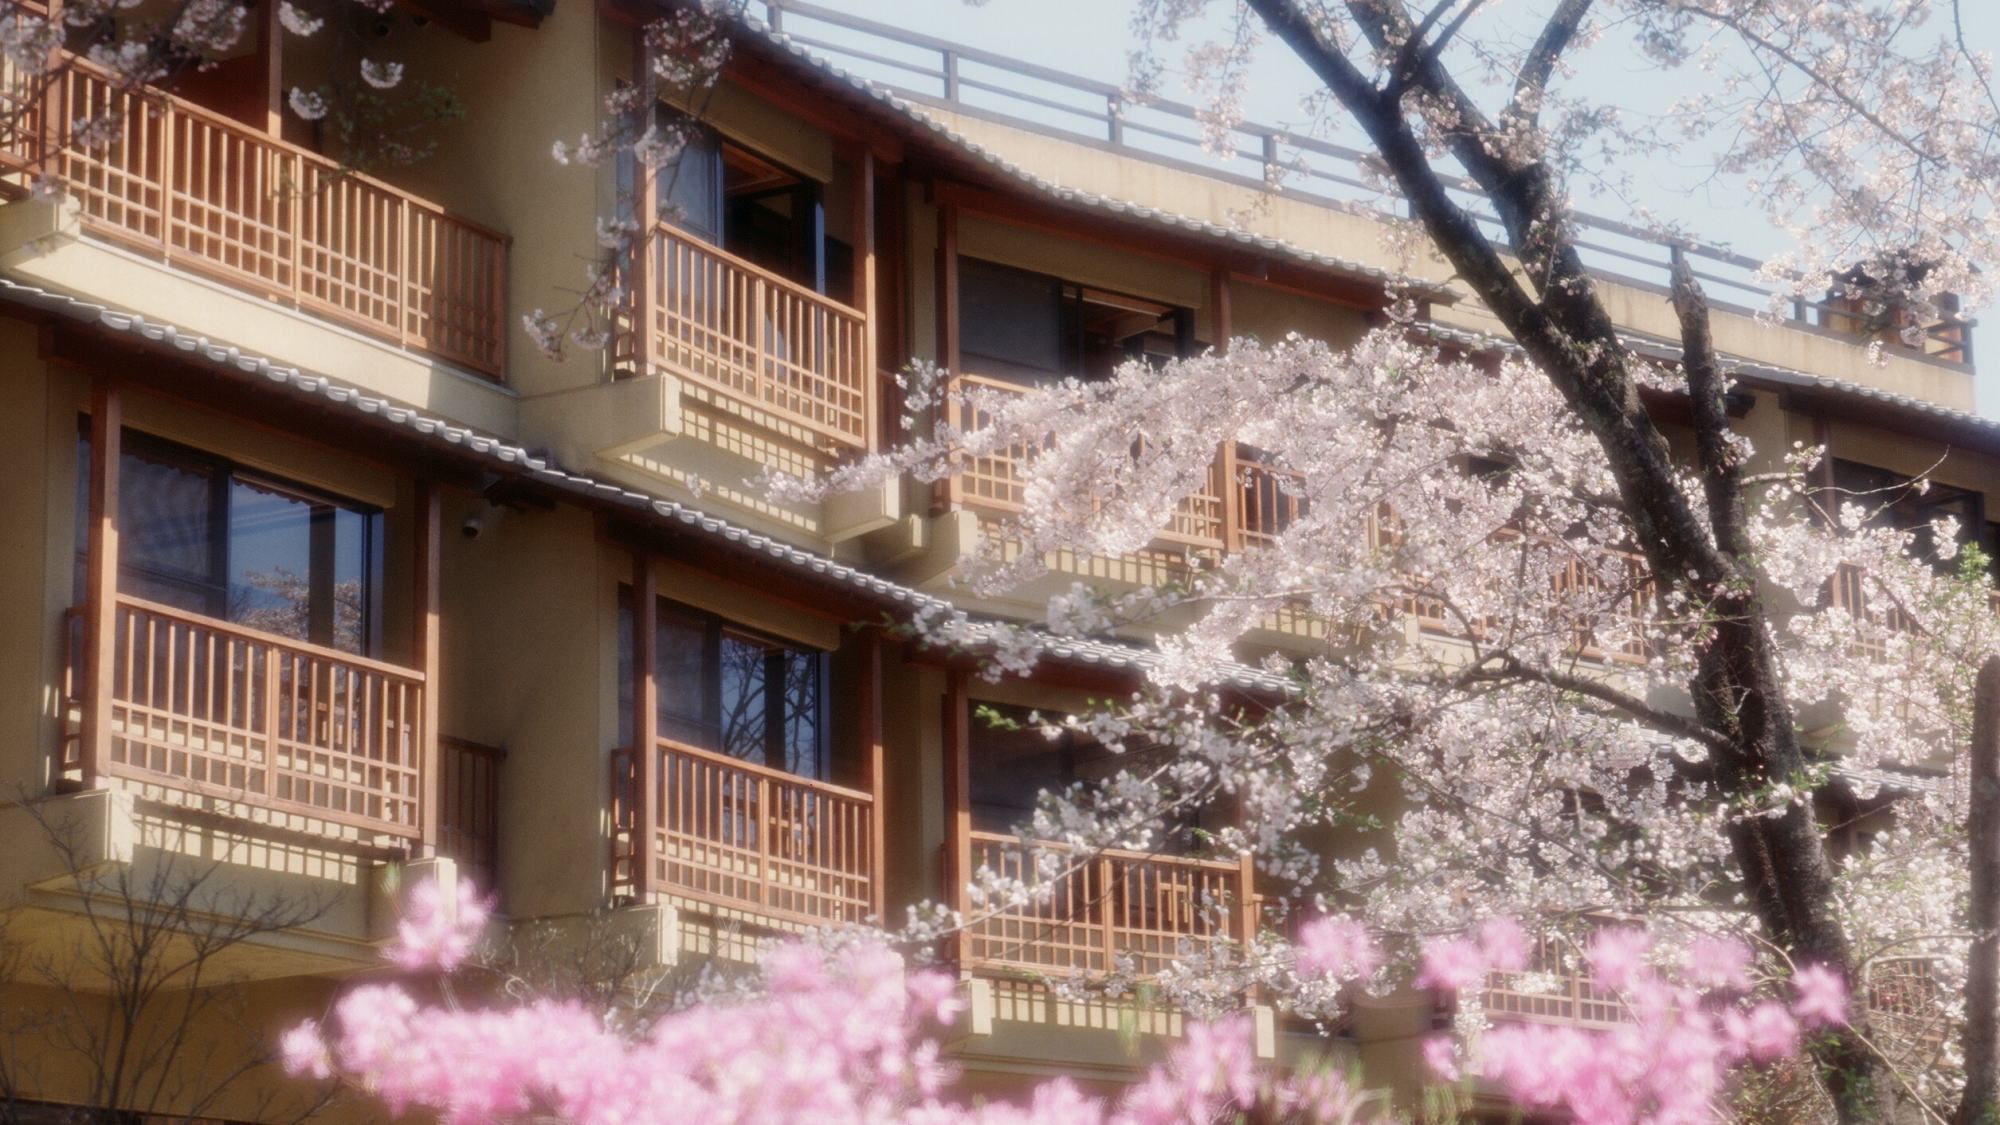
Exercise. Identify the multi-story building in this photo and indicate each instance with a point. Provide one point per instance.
(321, 571)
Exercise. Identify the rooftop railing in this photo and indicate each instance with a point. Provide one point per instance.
(973, 82)
(206, 193)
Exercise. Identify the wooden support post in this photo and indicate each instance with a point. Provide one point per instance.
(1231, 474)
(1247, 901)
(874, 765)
(945, 279)
(1822, 473)
(1980, 1103)
(426, 651)
(947, 287)
(270, 56)
(861, 230)
(1219, 323)
(101, 574)
(645, 721)
(957, 730)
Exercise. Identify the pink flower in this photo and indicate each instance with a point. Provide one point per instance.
(302, 1050)
(1822, 996)
(1719, 963)
(1618, 956)
(1453, 964)
(1441, 1057)
(436, 930)
(1765, 1033)
(1337, 946)
(1505, 945)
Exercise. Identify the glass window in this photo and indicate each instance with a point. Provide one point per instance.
(203, 535)
(1895, 502)
(1010, 321)
(729, 691)
(1013, 762)
(1014, 324)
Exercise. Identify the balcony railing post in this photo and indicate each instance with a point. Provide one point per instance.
(1232, 498)
(1107, 910)
(764, 822)
(169, 170)
(294, 187)
(101, 569)
(273, 700)
(403, 272)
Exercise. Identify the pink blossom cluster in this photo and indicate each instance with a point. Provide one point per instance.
(1686, 1027)
(837, 1033)
(438, 928)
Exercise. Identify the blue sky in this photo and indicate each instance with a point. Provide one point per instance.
(1090, 37)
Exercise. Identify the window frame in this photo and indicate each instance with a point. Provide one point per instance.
(222, 474)
(715, 631)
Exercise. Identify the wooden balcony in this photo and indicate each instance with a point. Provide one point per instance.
(200, 707)
(210, 195)
(1151, 909)
(768, 349)
(1244, 504)
(731, 834)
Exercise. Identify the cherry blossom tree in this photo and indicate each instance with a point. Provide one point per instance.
(1623, 691)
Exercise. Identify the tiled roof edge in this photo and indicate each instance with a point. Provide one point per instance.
(520, 459)
(922, 118)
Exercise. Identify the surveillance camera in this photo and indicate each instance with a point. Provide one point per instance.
(471, 527)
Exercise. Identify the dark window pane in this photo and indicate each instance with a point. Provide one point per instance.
(196, 536)
(167, 548)
(683, 669)
(1010, 320)
(690, 188)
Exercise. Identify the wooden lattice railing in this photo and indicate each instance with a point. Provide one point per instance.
(209, 194)
(741, 836)
(1151, 909)
(205, 707)
(1211, 520)
(767, 346)
(469, 808)
(1575, 999)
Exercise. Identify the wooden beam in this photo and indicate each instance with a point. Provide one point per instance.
(645, 719)
(957, 731)
(947, 287)
(861, 232)
(1220, 326)
(426, 652)
(270, 56)
(870, 716)
(471, 24)
(101, 576)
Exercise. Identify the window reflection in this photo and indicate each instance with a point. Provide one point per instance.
(201, 534)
